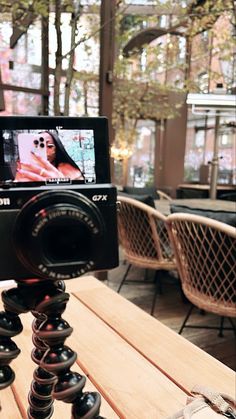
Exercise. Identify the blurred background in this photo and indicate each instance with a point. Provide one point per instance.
(137, 62)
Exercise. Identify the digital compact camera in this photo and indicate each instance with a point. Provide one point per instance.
(57, 208)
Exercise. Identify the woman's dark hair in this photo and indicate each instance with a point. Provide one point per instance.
(61, 154)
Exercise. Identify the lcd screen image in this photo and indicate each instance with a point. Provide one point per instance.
(62, 155)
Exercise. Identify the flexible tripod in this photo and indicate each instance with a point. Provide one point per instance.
(53, 378)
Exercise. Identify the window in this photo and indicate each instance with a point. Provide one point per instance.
(199, 138)
(226, 138)
(203, 80)
(182, 48)
(163, 21)
(204, 37)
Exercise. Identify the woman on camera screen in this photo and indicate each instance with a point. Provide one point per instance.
(57, 164)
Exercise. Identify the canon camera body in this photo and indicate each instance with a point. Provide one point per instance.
(56, 227)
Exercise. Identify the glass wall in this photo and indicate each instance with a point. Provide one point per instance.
(200, 146)
(21, 66)
(136, 168)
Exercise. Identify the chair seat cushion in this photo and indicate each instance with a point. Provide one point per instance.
(147, 191)
(145, 199)
(226, 217)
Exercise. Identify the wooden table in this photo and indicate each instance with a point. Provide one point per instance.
(207, 204)
(141, 368)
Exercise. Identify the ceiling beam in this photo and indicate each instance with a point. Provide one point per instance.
(146, 36)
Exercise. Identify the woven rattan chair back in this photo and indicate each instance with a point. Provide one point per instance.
(163, 195)
(143, 235)
(145, 240)
(206, 260)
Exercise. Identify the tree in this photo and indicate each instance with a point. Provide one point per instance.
(152, 73)
(24, 12)
(147, 75)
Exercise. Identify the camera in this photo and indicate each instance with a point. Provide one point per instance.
(57, 211)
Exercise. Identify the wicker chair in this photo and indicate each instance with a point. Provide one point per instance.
(163, 195)
(206, 260)
(144, 239)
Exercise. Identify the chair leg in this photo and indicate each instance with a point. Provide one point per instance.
(154, 301)
(220, 334)
(186, 319)
(125, 276)
(158, 290)
(183, 296)
(158, 280)
(232, 324)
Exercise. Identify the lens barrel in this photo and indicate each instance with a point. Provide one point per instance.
(57, 234)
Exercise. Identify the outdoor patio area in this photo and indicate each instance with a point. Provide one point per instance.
(117, 209)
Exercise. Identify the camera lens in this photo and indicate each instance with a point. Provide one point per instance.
(41, 145)
(41, 139)
(57, 234)
(66, 243)
(36, 142)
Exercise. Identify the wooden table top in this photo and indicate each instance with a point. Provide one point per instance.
(141, 368)
(207, 204)
(205, 187)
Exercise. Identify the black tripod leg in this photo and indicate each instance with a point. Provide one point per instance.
(58, 358)
(40, 395)
(10, 325)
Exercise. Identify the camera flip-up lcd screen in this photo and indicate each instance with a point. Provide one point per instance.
(52, 150)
